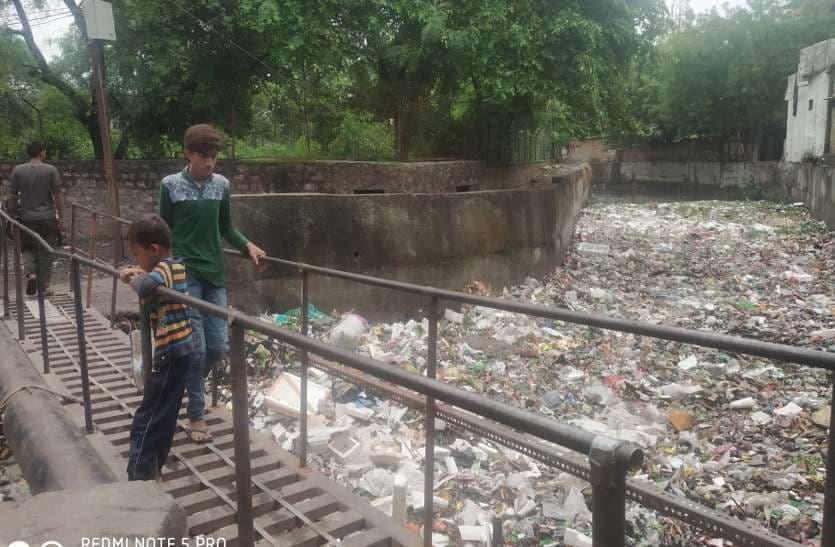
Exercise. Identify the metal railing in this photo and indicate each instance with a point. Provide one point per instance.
(609, 460)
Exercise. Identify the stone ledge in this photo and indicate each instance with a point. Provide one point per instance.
(118, 510)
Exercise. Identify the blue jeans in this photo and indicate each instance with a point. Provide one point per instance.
(211, 343)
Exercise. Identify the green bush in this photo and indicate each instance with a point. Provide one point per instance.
(752, 190)
(296, 149)
(809, 157)
(360, 137)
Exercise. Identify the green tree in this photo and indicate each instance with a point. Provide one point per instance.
(80, 97)
(726, 75)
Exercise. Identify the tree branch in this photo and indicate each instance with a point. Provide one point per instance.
(78, 15)
(26, 32)
(9, 30)
(43, 70)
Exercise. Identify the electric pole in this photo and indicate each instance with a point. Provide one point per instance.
(99, 22)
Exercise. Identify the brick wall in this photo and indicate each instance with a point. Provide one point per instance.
(139, 180)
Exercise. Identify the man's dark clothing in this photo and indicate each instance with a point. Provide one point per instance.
(34, 183)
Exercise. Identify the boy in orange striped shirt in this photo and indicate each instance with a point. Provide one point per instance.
(155, 420)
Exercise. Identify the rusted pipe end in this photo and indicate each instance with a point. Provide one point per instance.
(630, 456)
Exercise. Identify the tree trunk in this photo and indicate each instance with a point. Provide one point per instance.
(758, 142)
(403, 126)
(91, 124)
(122, 149)
(397, 132)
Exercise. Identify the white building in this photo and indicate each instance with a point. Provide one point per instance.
(810, 129)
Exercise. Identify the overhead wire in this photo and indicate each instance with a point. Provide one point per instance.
(40, 21)
(32, 16)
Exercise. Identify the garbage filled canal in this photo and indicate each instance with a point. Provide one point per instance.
(743, 435)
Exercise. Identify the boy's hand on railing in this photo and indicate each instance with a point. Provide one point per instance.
(255, 253)
(128, 274)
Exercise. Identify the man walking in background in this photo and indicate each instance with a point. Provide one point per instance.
(36, 194)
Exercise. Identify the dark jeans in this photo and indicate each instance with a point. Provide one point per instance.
(35, 259)
(155, 420)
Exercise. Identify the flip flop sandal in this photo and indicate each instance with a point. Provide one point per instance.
(206, 437)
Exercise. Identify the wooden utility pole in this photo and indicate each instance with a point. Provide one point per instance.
(99, 22)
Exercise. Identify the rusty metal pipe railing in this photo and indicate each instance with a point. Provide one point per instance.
(548, 429)
(39, 256)
(72, 228)
(82, 345)
(240, 423)
(747, 346)
(5, 251)
(21, 331)
(605, 464)
(828, 527)
(429, 426)
(628, 456)
(5, 258)
(305, 317)
(102, 214)
(92, 254)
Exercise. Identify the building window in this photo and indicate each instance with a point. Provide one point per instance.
(811, 103)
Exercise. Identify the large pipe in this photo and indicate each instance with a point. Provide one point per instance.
(52, 451)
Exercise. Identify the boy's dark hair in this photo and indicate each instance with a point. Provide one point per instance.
(148, 230)
(34, 149)
(204, 139)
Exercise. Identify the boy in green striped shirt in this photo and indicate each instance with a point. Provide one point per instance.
(195, 204)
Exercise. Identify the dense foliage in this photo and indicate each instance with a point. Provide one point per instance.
(726, 76)
(403, 78)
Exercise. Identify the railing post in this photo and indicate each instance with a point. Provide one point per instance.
(215, 381)
(429, 456)
(116, 260)
(18, 274)
(113, 302)
(240, 422)
(72, 229)
(39, 252)
(72, 238)
(75, 272)
(303, 376)
(5, 251)
(608, 479)
(93, 225)
(498, 532)
(828, 528)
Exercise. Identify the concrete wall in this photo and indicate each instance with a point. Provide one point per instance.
(139, 180)
(813, 185)
(808, 110)
(441, 240)
(781, 181)
(586, 150)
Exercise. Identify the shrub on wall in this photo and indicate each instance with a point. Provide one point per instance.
(360, 137)
(809, 156)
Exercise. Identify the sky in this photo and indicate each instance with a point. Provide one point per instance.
(54, 23)
(701, 6)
